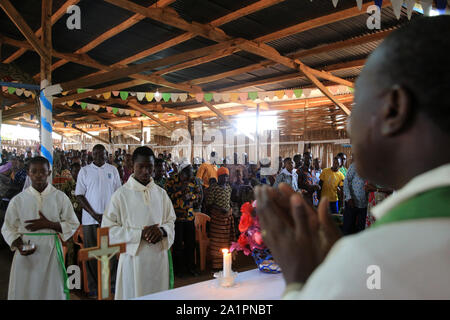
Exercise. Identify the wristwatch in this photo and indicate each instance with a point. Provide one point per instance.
(163, 232)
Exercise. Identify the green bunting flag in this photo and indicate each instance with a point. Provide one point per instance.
(124, 95)
(253, 95)
(115, 110)
(298, 93)
(81, 90)
(11, 90)
(83, 105)
(208, 96)
(166, 97)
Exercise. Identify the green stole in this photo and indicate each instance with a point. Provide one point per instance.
(434, 203)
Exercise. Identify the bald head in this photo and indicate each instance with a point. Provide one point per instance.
(402, 108)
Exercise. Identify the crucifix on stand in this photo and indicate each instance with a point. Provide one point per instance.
(103, 253)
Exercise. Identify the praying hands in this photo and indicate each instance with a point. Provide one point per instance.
(298, 236)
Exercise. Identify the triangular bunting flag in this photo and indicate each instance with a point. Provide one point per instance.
(253, 95)
(96, 107)
(359, 4)
(199, 97)
(27, 93)
(225, 97)
(166, 96)
(11, 90)
(81, 90)
(133, 94)
(307, 92)
(279, 94)
(78, 102)
(70, 103)
(121, 111)
(19, 92)
(5, 88)
(149, 96)
(289, 93)
(410, 7)
(261, 95)
(115, 93)
(98, 95)
(217, 96)
(65, 124)
(397, 6)
(426, 6)
(335, 2)
(183, 97)
(83, 105)
(124, 95)
(138, 113)
(127, 112)
(115, 110)
(33, 95)
(140, 96)
(333, 89)
(243, 96)
(234, 96)
(298, 93)
(270, 94)
(65, 93)
(106, 95)
(351, 89)
(175, 97)
(90, 106)
(192, 95)
(109, 109)
(158, 97)
(132, 113)
(208, 97)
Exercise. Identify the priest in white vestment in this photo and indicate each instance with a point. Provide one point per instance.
(141, 215)
(37, 217)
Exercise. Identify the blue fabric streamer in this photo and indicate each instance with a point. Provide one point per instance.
(45, 101)
(47, 154)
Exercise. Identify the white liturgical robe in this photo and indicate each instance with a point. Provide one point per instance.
(144, 267)
(38, 276)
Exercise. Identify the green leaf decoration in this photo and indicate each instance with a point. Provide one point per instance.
(208, 97)
(298, 92)
(166, 97)
(124, 95)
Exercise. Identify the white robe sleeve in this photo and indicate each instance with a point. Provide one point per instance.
(10, 228)
(118, 233)
(68, 219)
(168, 223)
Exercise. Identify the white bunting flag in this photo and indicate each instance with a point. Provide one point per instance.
(96, 107)
(217, 96)
(261, 95)
(335, 2)
(359, 4)
(270, 95)
(133, 94)
(140, 96)
(174, 97)
(410, 7)
(27, 93)
(158, 97)
(183, 97)
(307, 92)
(19, 92)
(397, 6)
(90, 106)
(225, 97)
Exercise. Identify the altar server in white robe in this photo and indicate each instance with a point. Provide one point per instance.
(36, 216)
(141, 215)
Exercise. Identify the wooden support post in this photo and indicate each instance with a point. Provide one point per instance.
(142, 133)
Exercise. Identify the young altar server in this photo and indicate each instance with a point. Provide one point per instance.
(36, 216)
(141, 215)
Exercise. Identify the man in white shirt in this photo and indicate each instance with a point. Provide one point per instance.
(405, 254)
(95, 185)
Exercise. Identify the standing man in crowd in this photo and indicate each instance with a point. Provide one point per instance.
(287, 175)
(355, 198)
(307, 182)
(331, 183)
(96, 184)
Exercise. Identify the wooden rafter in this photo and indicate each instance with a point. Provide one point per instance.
(55, 17)
(149, 114)
(21, 24)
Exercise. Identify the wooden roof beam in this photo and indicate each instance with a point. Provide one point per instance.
(149, 114)
(55, 17)
(20, 23)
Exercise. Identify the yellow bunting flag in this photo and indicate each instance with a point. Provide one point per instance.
(234, 96)
(107, 95)
(279, 94)
(149, 96)
(70, 103)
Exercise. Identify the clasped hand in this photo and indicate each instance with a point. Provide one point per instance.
(298, 236)
(38, 224)
(152, 234)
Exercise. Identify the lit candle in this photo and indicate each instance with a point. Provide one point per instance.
(226, 263)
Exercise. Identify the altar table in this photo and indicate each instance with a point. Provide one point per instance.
(249, 285)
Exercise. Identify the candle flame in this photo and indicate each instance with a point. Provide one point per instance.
(225, 251)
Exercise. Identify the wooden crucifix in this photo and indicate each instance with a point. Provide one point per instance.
(103, 253)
